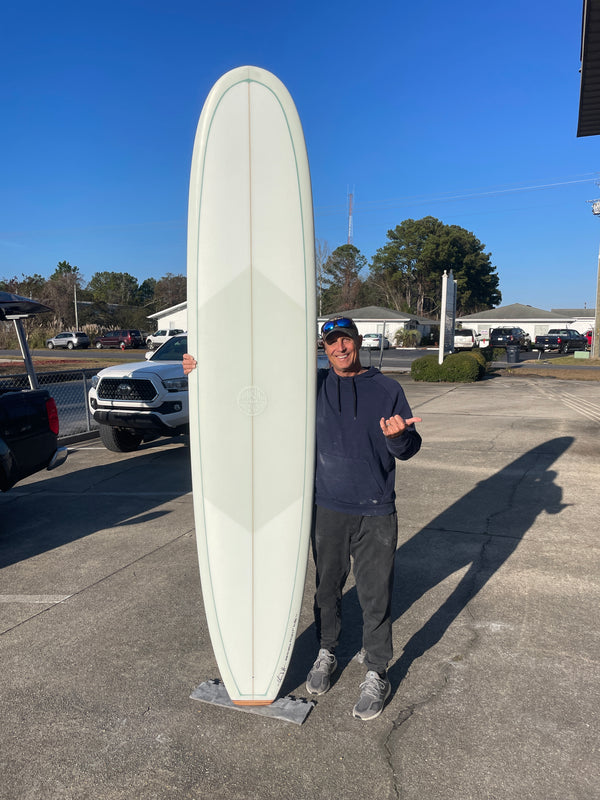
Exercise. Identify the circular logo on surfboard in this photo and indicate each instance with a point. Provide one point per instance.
(252, 401)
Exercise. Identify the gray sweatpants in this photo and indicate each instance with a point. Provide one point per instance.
(371, 542)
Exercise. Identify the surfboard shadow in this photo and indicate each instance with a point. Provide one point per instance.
(480, 531)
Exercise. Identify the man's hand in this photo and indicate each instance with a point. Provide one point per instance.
(395, 426)
(189, 363)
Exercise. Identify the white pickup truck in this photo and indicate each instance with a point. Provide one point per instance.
(142, 400)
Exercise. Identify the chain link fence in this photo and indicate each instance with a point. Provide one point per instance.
(69, 390)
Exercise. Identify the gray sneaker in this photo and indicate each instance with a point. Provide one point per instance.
(374, 691)
(319, 678)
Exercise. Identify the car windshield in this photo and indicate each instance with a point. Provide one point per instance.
(172, 350)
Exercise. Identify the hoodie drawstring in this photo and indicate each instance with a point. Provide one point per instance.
(354, 395)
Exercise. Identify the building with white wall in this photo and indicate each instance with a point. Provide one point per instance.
(169, 318)
(534, 321)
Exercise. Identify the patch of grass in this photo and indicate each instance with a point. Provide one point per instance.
(583, 370)
(15, 365)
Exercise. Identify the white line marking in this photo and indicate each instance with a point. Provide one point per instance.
(35, 599)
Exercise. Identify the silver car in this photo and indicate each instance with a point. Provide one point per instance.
(69, 339)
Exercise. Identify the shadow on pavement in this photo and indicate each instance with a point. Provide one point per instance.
(481, 531)
(43, 515)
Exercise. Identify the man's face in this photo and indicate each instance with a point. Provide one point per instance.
(343, 352)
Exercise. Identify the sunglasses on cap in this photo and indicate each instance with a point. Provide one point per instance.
(342, 323)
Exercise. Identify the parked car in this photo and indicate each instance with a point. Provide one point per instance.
(120, 338)
(160, 337)
(503, 337)
(374, 340)
(465, 339)
(69, 339)
(28, 416)
(142, 400)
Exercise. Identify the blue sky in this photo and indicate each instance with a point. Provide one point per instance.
(466, 111)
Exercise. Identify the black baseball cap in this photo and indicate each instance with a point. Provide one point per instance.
(336, 324)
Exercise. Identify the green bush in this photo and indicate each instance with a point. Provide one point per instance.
(479, 357)
(487, 353)
(426, 368)
(461, 368)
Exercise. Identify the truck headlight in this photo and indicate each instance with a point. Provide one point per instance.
(95, 381)
(176, 384)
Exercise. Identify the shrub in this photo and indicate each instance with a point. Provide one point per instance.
(407, 337)
(411, 338)
(465, 367)
(461, 368)
(479, 357)
(426, 368)
(487, 353)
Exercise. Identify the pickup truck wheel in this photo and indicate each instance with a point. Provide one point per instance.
(119, 440)
(98, 345)
(565, 348)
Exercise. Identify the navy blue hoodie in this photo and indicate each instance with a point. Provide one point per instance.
(356, 468)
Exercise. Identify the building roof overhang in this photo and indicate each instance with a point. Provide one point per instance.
(589, 93)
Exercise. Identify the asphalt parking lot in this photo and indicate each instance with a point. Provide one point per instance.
(495, 687)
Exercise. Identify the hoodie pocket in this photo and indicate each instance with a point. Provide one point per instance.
(348, 480)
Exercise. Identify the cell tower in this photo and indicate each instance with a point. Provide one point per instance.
(350, 204)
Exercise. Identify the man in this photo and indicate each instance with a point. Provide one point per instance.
(364, 423)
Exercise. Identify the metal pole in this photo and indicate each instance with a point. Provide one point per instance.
(381, 348)
(85, 403)
(595, 343)
(75, 301)
(33, 381)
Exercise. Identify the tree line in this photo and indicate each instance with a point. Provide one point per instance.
(108, 300)
(405, 273)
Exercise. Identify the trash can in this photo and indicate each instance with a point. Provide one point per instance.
(512, 353)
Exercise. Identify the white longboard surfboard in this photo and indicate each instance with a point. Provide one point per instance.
(252, 329)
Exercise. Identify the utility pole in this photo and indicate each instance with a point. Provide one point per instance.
(75, 302)
(595, 344)
(350, 221)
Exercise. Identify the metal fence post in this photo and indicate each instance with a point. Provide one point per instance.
(85, 402)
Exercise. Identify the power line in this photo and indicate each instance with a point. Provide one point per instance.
(447, 197)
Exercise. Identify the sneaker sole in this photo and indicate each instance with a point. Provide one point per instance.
(317, 694)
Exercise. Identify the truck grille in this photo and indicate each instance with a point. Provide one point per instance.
(126, 389)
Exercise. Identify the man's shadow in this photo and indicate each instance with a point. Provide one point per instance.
(480, 531)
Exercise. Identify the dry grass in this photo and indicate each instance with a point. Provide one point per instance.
(581, 370)
(15, 366)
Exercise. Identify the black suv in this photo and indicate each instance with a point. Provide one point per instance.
(121, 338)
(503, 337)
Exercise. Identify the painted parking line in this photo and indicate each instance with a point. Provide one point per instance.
(573, 402)
(34, 599)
